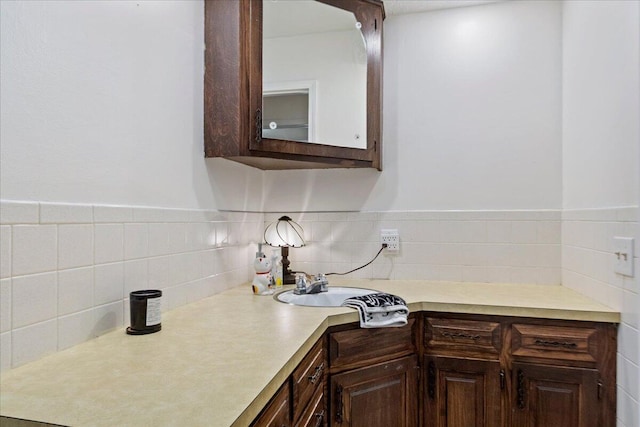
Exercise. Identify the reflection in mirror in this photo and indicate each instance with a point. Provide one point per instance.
(314, 69)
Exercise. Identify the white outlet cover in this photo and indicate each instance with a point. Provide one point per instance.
(623, 252)
(392, 238)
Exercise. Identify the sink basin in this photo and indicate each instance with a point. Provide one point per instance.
(332, 298)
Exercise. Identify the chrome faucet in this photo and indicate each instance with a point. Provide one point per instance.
(317, 285)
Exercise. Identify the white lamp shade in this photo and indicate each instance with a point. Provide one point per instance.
(284, 232)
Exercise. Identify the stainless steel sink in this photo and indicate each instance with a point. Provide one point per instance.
(332, 298)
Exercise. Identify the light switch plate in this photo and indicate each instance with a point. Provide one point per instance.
(623, 252)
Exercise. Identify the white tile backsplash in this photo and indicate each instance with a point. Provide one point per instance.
(441, 245)
(34, 299)
(5, 305)
(108, 317)
(13, 212)
(75, 290)
(34, 249)
(112, 214)
(109, 243)
(75, 245)
(67, 269)
(5, 251)
(76, 328)
(5, 351)
(136, 276)
(108, 283)
(57, 213)
(136, 241)
(33, 342)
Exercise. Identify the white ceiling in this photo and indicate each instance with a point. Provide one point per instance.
(399, 7)
(285, 18)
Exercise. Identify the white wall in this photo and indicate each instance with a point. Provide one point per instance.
(472, 117)
(601, 169)
(601, 109)
(102, 103)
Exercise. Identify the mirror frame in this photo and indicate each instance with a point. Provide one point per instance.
(370, 13)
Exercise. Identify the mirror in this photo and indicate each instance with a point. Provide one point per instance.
(314, 68)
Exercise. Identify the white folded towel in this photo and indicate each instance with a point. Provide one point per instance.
(379, 310)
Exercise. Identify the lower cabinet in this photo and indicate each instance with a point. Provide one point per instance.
(462, 392)
(384, 394)
(454, 370)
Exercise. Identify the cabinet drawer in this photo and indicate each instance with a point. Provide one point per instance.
(360, 347)
(315, 415)
(308, 377)
(461, 336)
(277, 411)
(555, 342)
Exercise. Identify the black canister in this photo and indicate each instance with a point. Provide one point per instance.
(145, 312)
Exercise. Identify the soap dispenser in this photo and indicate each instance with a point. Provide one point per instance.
(276, 269)
(262, 282)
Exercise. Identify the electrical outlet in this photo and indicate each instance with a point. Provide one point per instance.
(392, 238)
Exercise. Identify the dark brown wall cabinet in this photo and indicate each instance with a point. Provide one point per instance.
(233, 108)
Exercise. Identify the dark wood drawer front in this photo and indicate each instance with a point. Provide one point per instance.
(361, 347)
(277, 411)
(555, 342)
(463, 336)
(308, 378)
(315, 414)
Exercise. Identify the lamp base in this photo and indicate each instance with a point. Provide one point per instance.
(288, 278)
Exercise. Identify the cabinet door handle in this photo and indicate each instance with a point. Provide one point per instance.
(521, 396)
(258, 125)
(340, 405)
(319, 418)
(316, 374)
(547, 343)
(600, 390)
(502, 379)
(460, 335)
(431, 380)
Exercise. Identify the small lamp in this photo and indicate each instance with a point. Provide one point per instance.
(285, 233)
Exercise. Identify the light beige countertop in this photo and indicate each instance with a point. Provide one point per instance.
(217, 361)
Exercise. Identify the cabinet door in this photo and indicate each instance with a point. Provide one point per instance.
(554, 396)
(462, 392)
(384, 394)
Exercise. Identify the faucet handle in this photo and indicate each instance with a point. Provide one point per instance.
(322, 280)
(301, 284)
